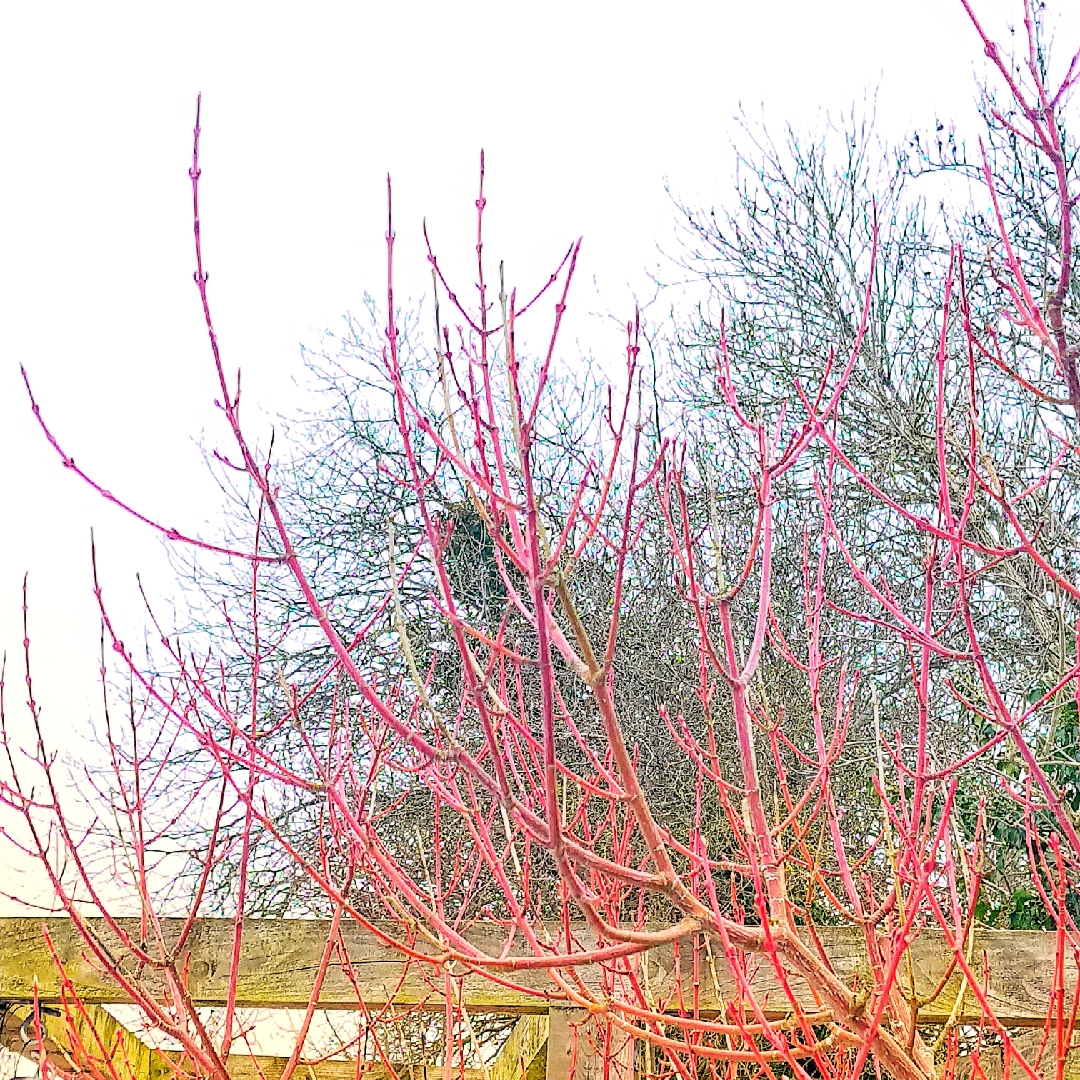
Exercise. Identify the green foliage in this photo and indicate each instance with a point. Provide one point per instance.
(1009, 899)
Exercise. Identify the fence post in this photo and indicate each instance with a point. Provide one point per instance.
(524, 1054)
(576, 1048)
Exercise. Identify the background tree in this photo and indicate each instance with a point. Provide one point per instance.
(787, 265)
(476, 762)
(784, 265)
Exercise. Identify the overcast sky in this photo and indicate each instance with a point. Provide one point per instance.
(583, 109)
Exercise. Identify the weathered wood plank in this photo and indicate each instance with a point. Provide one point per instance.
(524, 1054)
(278, 963)
(279, 959)
(563, 1043)
(1018, 976)
(576, 1049)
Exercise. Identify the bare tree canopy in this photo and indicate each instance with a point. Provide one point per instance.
(540, 679)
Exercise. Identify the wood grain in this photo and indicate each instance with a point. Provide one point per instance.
(279, 959)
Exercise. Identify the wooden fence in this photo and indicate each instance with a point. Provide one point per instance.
(279, 959)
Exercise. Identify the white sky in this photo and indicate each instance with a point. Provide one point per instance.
(583, 109)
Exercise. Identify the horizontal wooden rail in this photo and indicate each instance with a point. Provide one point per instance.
(279, 959)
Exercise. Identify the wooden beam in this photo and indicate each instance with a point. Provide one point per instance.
(279, 959)
(277, 967)
(576, 1049)
(524, 1054)
(562, 1048)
